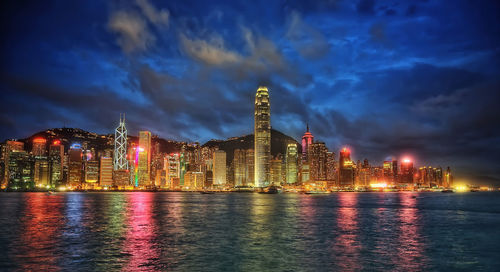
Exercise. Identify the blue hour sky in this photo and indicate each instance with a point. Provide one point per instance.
(387, 78)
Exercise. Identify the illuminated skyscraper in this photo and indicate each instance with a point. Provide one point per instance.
(317, 153)
(239, 167)
(75, 165)
(172, 168)
(276, 170)
(262, 140)
(406, 172)
(219, 167)
(144, 162)
(56, 156)
(9, 147)
(346, 169)
(291, 163)
(39, 147)
(307, 140)
(120, 154)
(106, 172)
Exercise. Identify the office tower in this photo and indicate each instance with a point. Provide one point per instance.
(276, 170)
(395, 171)
(262, 140)
(91, 172)
(106, 172)
(388, 172)
(144, 162)
(10, 146)
(406, 176)
(305, 172)
(120, 153)
(39, 147)
(194, 180)
(448, 178)
(250, 168)
(291, 163)
(239, 161)
(307, 140)
(438, 178)
(56, 158)
(41, 171)
(317, 160)
(331, 168)
(21, 170)
(219, 167)
(172, 168)
(346, 169)
(75, 165)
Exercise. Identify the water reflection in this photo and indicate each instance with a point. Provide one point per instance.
(347, 245)
(41, 224)
(139, 242)
(410, 249)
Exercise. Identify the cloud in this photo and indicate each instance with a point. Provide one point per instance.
(211, 53)
(157, 17)
(310, 42)
(132, 30)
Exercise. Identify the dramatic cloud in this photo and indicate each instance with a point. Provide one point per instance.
(132, 30)
(308, 41)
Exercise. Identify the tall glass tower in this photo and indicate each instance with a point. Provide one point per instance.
(120, 155)
(262, 140)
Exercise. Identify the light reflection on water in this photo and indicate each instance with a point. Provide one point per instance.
(143, 231)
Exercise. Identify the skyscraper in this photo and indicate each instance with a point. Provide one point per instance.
(291, 163)
(219, 167)
(144, 162)
(56, 157)
(120, 154)
(346, 169)
(317, 153)
(262, 140)
(39, 147)
(239, 161)
(406, 172)
(106, 172)
(75, 166)
(307, 140)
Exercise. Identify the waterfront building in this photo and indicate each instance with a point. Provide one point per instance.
(276, 170)
(291, 163)
(307, 141)
(219, 172)
(75, 165)
(106, 172)
(91, 172)
(262, 138)
(121, 178)
(144, 158)
(120, 146)
(448, 178)
(406, 177)
(331, 168)
(41, 171)
(10, 146)
(346, 169)
(317, 154)
(39, 147)
(305, 173)
(56, 158)
(21, 170)
(239, 160)
(172, 169)
(194, 180)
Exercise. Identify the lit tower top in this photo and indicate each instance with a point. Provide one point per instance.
(307, 141)
(120, 154)
(262, 140)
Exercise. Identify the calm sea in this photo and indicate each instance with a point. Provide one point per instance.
(144, 231)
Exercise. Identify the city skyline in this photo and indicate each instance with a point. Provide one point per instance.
(349, 70)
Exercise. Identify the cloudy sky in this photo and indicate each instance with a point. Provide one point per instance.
(387, 78)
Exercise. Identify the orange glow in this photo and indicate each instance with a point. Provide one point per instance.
(378, 185)
(406, 160)
(56, 142)
(346, 150)
(39, 140)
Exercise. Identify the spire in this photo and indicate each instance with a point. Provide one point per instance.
(307, 127)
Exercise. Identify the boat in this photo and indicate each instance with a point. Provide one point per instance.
(270, 190)
(447, 191)
(50, 193)
(207, 192)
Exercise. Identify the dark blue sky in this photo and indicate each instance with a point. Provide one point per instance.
(387, 78)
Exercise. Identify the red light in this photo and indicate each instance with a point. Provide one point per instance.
(56, 142)
(39, 140)
(406, 160)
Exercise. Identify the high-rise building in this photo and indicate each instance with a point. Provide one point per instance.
(239, 161)
(219, 167)
(41, 171)
(106, 171)
(346, 169)
(331, 168)
(144, 163)
(317, 154)
(448, 178)
(91, 172)
(276, 170)
(21, 170)
(406, 176)
(291, 163)
(56, 158)
(250, 168)
(307, 140)
(9, 147)
(39, 147)
(120, 154)
(75, 165)
(172, 168)
(262, 140)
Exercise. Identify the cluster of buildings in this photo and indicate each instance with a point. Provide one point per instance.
(141, 165)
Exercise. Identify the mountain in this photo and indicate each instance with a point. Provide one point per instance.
(68, 136)
(279, 142)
